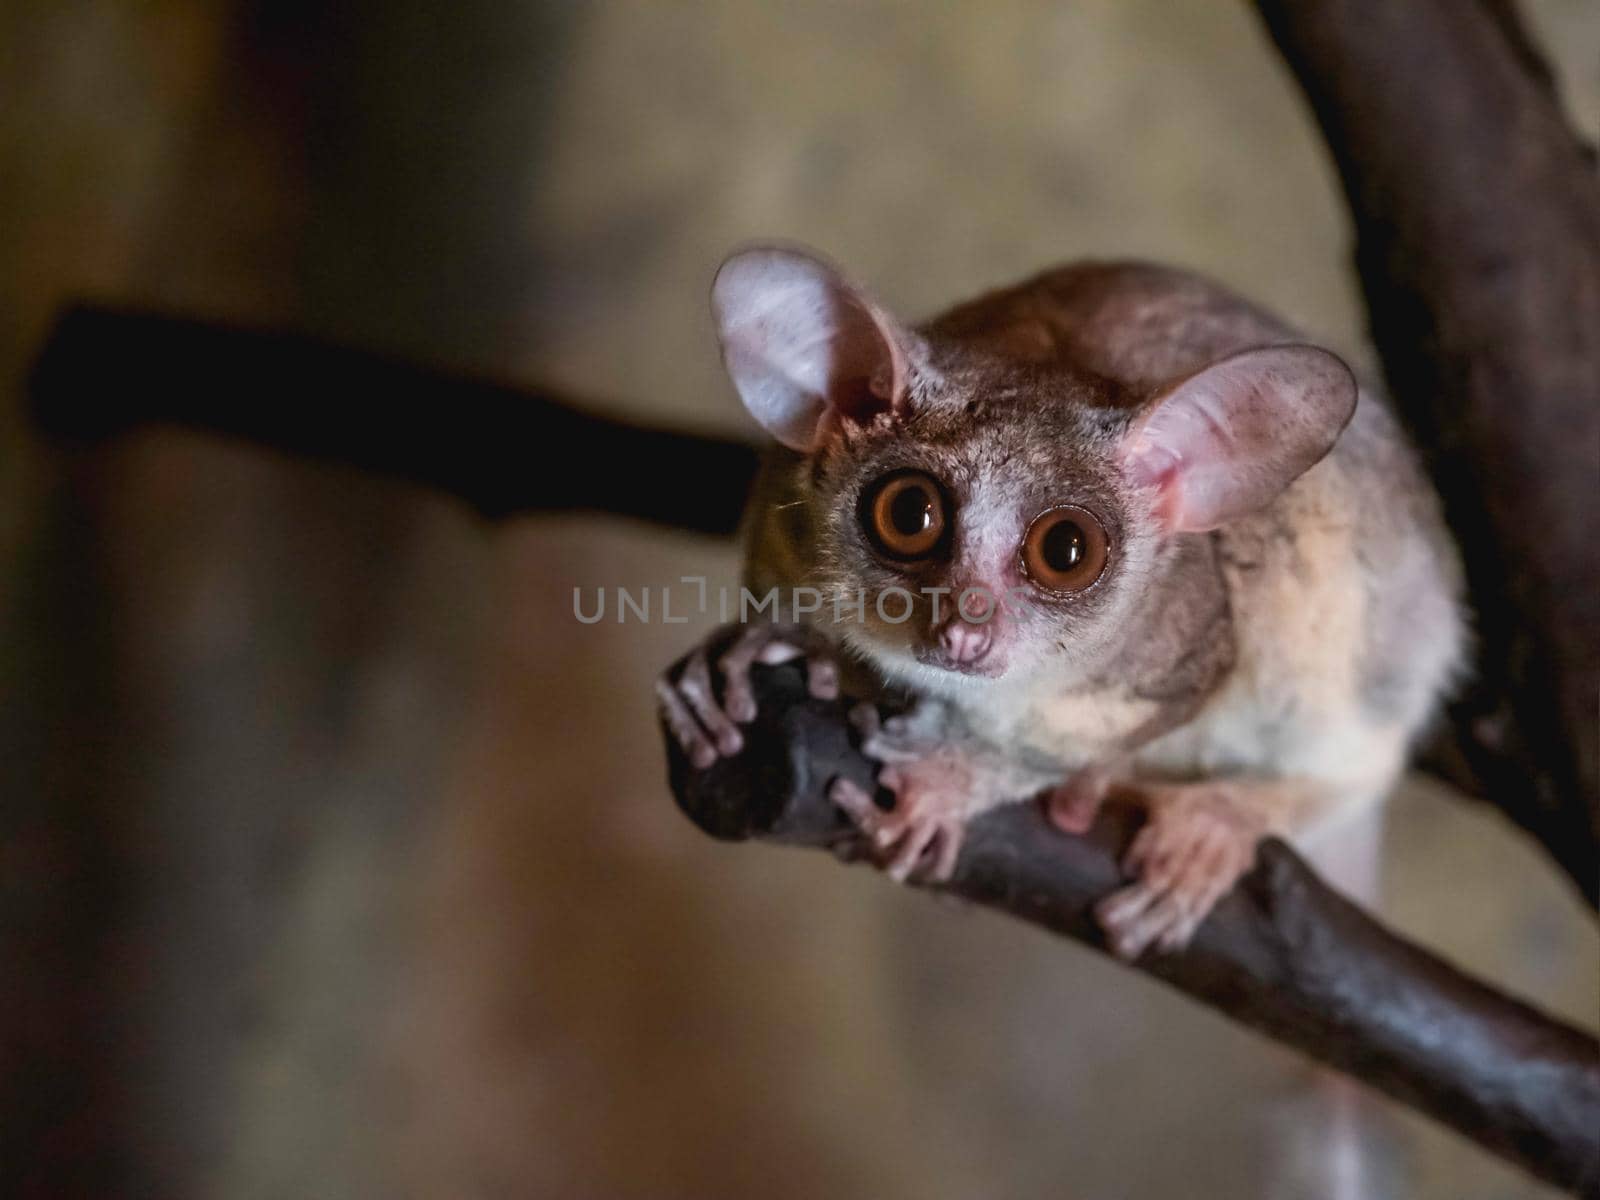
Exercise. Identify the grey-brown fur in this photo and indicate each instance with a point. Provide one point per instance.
(1141, 325)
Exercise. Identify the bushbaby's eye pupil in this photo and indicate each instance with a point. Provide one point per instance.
(1063, 546)
(903, 515)
(911, 511)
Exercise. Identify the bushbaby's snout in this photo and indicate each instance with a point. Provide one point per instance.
(964, 642)
(967, 647)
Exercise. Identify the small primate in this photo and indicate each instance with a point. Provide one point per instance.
(1143, 541)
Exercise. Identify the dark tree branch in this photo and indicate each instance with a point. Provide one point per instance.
(1477, 217)
(503, 450)
(1282, 954)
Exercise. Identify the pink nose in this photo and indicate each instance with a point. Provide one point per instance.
(965, 642)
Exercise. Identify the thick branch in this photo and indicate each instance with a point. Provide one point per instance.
(504, 450)
(1282, 954)
(1477, 215)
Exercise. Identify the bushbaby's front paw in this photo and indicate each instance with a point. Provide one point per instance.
(919, 837)
(934, 787)
(1194, 847)
(687, 697)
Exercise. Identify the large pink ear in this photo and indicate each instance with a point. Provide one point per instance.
(803, 347)
(1226, 440)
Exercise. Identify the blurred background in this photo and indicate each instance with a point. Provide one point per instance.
(336, 859)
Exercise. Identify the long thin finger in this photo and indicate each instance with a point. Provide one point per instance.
(1133, 938)
(1168, 862)
(947, 854)
(1215, 883)
(857, 804)
(1142, 846)
(910, 851)
(1205, 880)
(1203, 890)
(734, 664)
(1121, 912)
(1181, 932)
(695, 687)
(1123, 906)
(1205, 872)
(684, 727)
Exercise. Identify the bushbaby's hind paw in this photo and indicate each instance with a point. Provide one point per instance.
(1192, 850)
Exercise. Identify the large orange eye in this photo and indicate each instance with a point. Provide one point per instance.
(1064, 549)
(904, 515)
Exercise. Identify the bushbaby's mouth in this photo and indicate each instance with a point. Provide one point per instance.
(988, 665)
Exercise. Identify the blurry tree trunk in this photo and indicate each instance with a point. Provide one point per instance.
(1477, 218)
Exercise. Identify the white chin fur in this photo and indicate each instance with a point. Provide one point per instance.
(899, 666)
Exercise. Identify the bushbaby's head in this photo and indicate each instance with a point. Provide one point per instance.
(999, 515)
